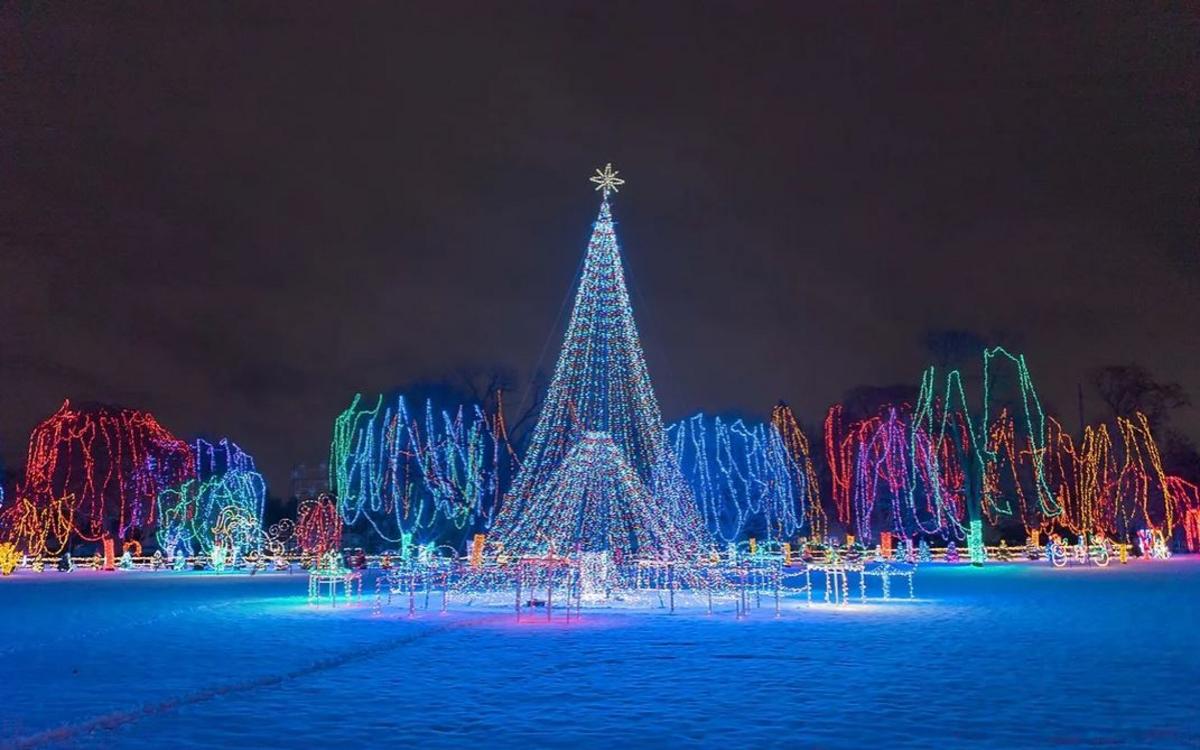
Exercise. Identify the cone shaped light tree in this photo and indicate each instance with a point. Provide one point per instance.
(600, 473)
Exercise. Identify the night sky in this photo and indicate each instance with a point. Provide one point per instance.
(236, 215)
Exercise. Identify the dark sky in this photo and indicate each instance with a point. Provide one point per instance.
(238, 214)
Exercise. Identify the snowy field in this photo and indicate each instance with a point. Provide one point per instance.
(1010, 656)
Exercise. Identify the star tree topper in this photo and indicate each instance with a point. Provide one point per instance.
(607, 179)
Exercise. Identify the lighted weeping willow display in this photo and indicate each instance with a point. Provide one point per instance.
(94, 472)
(603, 473)
(221, 507)
(425, 474)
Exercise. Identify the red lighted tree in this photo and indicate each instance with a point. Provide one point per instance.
(92, 472)
(318, 525)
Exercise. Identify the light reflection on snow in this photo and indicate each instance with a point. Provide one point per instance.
(239, 662)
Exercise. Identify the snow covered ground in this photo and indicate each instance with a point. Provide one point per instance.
(1012, 656)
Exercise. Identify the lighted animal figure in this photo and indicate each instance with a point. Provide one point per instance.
(9, 558)
(1002, 552)
(1081, 550)
(156, 560)
(951, 553)
(126, 561)
(1101, 551)
(1055, 552)
(65, 563)
(1060, 553)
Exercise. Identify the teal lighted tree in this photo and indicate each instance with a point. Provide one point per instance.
(600, 473)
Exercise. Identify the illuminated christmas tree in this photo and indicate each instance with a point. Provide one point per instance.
(600, 474)
(923, 553)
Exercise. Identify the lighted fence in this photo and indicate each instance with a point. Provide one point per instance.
(298, 561)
